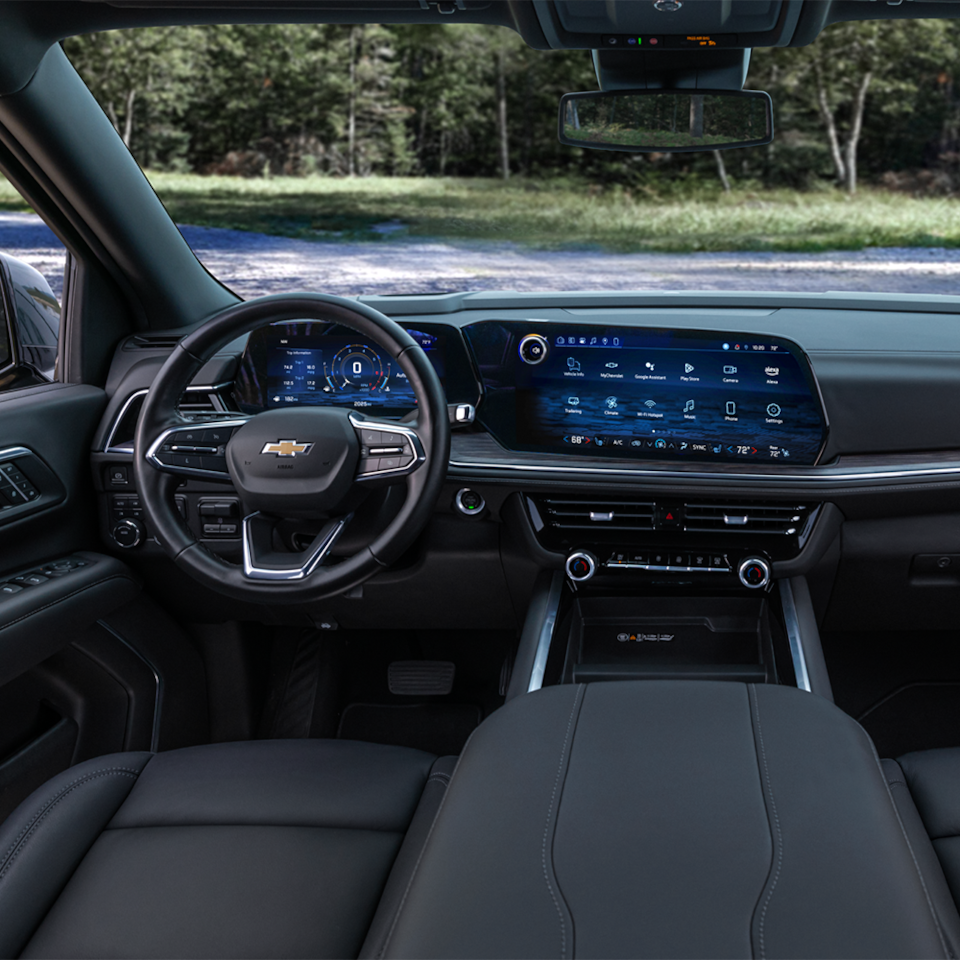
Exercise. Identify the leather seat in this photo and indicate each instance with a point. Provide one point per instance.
(263, 849)
(933, 780)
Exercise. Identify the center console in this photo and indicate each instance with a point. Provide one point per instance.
(672, 588)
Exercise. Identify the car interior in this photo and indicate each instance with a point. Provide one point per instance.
(479, 624)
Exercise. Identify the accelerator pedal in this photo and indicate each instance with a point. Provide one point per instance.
(421, 678)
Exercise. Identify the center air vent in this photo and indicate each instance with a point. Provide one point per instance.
(590, 513)
(740, 517)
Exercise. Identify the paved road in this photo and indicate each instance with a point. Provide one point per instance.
(253, 264)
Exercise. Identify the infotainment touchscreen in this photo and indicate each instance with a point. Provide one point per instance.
(652, 393)
(316, 364)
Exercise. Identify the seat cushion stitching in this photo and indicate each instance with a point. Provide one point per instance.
(18, 845)
(776, 821)
(547, 833)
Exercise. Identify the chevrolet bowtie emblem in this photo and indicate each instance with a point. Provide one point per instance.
(287, 448)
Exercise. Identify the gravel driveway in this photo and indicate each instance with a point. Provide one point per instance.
(253, 264)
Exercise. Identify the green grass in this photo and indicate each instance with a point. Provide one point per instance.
(561, 214)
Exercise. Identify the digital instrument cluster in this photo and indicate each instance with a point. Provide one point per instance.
(651, 393)
(315, 364)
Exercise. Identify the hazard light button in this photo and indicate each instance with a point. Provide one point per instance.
(670, 517)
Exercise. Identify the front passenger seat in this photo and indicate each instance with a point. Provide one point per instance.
(254, 849)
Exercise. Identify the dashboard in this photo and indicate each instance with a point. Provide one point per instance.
(800, 412)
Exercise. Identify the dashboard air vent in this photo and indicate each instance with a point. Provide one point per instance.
(146, 341)
(196, 402)
(590, 513)
(739, 517)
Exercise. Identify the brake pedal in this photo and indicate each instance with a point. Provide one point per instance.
(421, 678)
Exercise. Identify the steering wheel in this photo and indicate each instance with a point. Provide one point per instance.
(305, 463)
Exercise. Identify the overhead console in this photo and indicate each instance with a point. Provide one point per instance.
(646, 393)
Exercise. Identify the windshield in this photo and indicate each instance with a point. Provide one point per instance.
(401, 159)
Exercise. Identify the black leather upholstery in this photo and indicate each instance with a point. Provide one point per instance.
(933, 777)
(667, 819)
(265, 849)
(930, 866)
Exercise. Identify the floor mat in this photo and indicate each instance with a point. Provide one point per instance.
(438, 728)
(918, 716)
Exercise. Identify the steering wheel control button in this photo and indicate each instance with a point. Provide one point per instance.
(469, 502)
(533, 349)
(128, 533)
(754, 573)
(581, 565)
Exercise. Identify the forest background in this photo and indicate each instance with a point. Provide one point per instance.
(336, 130)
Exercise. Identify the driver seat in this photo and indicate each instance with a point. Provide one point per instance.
(253, 849)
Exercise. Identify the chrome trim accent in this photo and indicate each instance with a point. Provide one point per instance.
(191, 471)
(390, 427)
(158, 684)
(465, 413)
(108, 446)
(795, 638)
(546, 633)
(253, 572)
(819, 477)
(11, 453)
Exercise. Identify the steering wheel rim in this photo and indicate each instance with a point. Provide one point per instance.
(159, 415)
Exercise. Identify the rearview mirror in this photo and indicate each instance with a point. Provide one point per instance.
(666, 121)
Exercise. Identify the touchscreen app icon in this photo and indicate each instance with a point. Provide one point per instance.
(611, 403)
(688, 406)
(731, 408)
(573, 401)
(573, 365)
(688, 368)
(729, 370)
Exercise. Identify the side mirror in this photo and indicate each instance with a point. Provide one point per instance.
(29, 325)
(666, 121)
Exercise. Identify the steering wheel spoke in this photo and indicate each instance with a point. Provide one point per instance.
(195, 449)
(389, 451)
(262, 561)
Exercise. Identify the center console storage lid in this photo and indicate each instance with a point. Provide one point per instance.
(668, 819)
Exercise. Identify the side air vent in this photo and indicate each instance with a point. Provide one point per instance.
(195, 404)
(146, 341)
(589, 513)
(740, 517)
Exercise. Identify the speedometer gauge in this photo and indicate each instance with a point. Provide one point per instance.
(357, 367)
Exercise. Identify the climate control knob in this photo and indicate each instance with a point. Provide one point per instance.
(581, 565)
(754, 573)
(128, 533)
